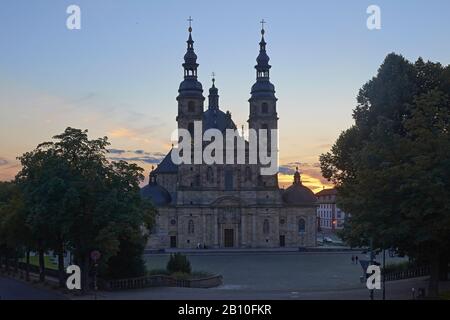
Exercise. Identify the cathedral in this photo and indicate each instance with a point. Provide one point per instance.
(227, 205)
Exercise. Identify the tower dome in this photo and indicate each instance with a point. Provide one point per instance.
(155, 193)
(190, 87)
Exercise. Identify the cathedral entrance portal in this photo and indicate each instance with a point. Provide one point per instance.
(228, 238)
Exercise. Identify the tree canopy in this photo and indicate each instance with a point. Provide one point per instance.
(77, 200)
(392, 167)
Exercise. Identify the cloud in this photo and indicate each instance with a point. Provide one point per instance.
(116, 151)
(146, 159)
(140, 156)
(286, 170)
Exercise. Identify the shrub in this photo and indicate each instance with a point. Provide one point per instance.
(178, 263)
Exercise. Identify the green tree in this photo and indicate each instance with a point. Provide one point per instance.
(391, 168)
(15, 234)
(80, 201)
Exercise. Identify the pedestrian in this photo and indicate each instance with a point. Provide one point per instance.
(353, 259)
(356, 259)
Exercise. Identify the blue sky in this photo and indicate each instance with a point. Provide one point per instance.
(119, 74)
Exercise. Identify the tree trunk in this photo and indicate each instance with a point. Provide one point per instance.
(27, 267)
(41, 265)
(61, 272)
(433, 285)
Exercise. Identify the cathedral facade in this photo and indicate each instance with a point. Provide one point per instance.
(227, 205)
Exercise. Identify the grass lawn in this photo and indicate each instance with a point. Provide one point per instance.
(49, 264)
(445, 295)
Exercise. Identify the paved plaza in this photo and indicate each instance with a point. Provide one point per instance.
(298, 272)
(253, 276)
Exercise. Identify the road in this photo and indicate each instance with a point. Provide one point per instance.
(11, 289)
(398, 290)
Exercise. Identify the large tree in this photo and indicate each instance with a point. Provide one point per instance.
(391, 167)
(15, 234)
(79, 201)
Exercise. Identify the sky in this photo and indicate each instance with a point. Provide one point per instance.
(118, 76)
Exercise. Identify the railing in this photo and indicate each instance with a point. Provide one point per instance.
(161, 281)
(407, 274)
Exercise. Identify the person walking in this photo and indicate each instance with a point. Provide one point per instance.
(356, 259)
(353, 259)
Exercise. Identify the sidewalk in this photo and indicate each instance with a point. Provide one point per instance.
(397, 290)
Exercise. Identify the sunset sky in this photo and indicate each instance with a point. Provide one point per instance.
(118, 76)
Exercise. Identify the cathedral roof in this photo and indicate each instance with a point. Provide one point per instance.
(217, 119)
(167, 165)
(298, 194)
(154, 192)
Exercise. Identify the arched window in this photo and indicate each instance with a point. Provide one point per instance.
(264, 108)
(191, 106)
(266, 227)
(301, 226)
(191, 227)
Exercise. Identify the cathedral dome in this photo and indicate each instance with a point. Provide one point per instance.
(298, 194)
(217, 119)
(155, 193)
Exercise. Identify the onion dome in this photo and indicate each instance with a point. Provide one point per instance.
(263, 88)
(190, 87)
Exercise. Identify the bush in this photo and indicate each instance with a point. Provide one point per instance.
(178, 263)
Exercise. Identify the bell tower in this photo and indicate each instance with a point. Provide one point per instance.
(263, 104)
(190, 98)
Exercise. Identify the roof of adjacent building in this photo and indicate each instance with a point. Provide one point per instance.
(327, 192)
